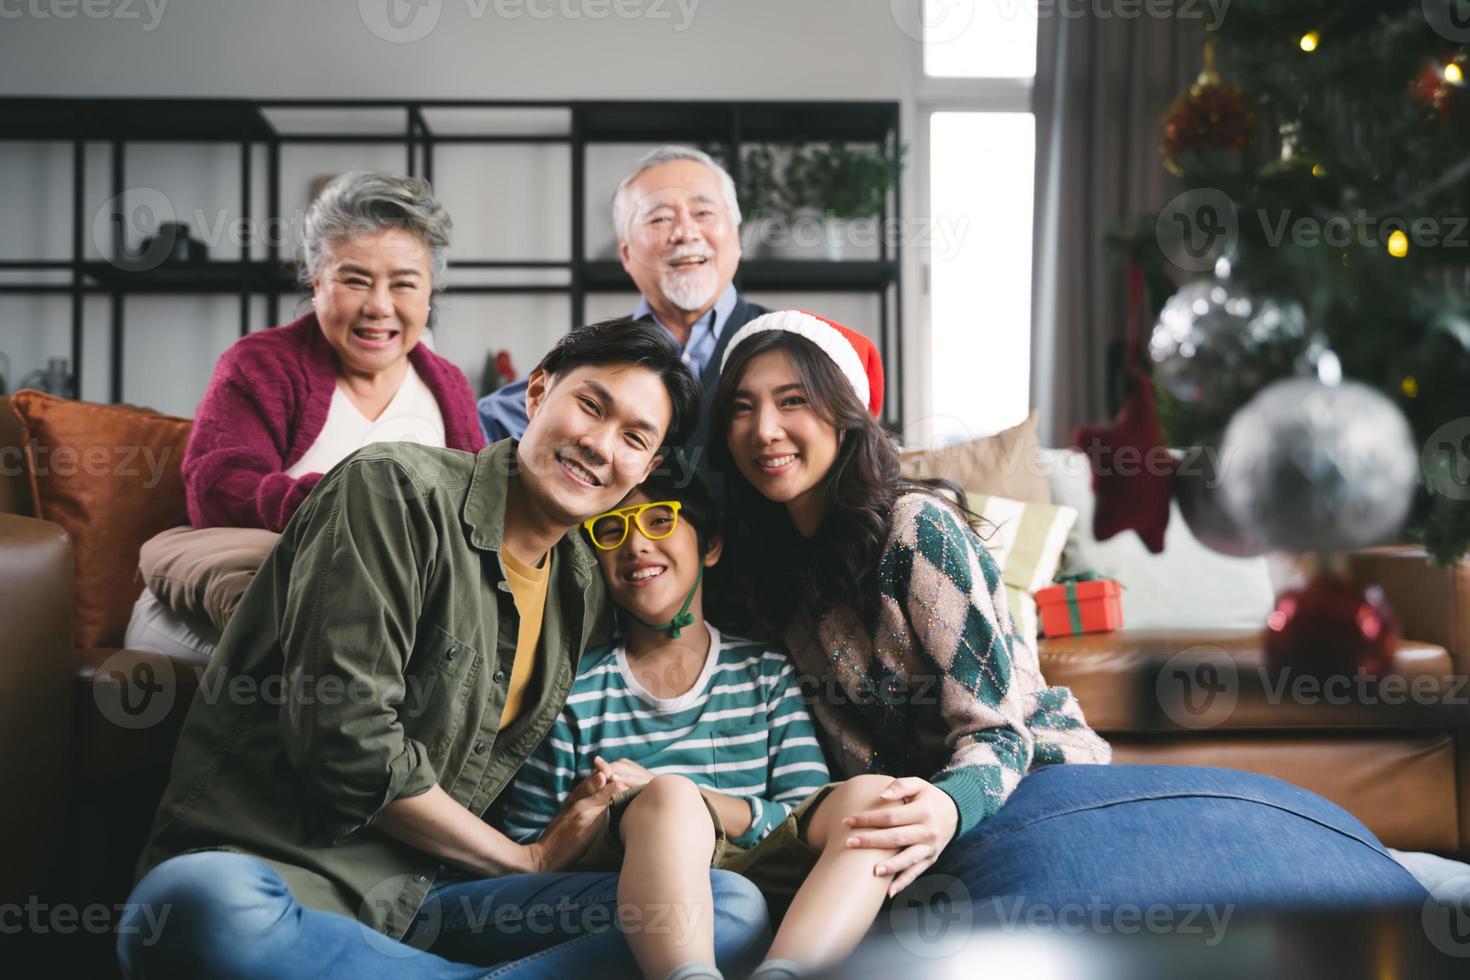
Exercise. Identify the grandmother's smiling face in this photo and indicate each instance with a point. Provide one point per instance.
(371, 298)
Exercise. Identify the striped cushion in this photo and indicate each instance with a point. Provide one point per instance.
(1026, 541)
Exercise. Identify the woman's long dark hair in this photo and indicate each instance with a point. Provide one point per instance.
(767, 562)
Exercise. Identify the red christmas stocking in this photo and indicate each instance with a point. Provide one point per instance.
(1132, 469)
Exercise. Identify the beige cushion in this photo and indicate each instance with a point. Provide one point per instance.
(201, 574)
(1026, 540)
(1007, 464)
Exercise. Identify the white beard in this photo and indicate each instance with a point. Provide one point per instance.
(691, 291)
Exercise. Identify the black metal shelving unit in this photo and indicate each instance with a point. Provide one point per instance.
(246, 124)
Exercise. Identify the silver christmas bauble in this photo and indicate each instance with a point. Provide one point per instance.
(1197, 491)
(1314, 467)
(1215, 345)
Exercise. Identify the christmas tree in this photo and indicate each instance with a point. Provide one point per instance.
(1327, 161)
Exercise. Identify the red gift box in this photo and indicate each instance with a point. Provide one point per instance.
(1093, 606)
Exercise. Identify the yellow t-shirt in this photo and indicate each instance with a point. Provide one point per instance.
(528, 588)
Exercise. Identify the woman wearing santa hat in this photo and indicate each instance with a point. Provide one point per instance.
(888, 599)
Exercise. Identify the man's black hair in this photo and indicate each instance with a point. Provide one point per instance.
(627, 341)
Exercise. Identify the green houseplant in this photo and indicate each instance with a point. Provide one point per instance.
(812, 200)
(828, 193)
(838, 180)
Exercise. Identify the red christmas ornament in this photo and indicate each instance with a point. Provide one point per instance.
(504, 368)
(1331, 626)
(1432, 90)
(1211, 118)
(1132, 469)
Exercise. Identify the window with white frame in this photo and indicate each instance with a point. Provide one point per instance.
(979, 62)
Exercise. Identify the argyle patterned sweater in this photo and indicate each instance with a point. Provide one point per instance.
(936, 681)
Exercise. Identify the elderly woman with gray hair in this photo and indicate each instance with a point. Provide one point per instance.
(286, 405)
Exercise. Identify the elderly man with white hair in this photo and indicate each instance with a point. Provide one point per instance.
(678, 227)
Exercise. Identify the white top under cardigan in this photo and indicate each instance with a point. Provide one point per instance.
(412, 416)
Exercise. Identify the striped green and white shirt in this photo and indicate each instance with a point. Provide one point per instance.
(741, 730)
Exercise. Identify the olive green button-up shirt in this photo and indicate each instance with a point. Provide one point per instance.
(369, 660)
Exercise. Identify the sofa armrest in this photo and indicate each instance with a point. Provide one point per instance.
(1432, 602)
(130, 708)
(36, 676)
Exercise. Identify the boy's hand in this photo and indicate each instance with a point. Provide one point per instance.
(630, 772)
(570, 832)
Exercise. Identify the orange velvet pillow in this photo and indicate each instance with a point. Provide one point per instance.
(109, 475)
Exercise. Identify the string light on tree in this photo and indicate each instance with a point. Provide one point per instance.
(1398, 244)
(1309, 41)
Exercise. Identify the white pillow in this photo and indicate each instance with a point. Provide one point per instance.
(1187, 586)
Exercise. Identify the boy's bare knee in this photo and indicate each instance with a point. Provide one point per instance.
(670, 792)
(669, 803)
(866, 787)
(857, 794)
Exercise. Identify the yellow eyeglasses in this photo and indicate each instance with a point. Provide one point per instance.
(656, 520)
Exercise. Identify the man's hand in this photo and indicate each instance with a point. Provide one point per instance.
(631, 773)
(920, 828)
(570, 832)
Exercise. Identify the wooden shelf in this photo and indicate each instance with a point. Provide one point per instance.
(134, 120)
(603, 277)
(765, 275)
(180, 277)
(756, 122)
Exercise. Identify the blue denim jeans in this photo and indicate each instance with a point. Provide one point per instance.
(1090, 837)
(220, 914)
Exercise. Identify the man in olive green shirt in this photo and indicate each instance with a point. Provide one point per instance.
(338, 828)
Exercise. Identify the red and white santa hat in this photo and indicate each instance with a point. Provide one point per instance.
(854, 354)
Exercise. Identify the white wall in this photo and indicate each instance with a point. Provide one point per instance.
(507, 202)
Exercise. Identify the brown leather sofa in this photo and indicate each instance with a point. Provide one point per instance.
(1400, 765)
(83, 787)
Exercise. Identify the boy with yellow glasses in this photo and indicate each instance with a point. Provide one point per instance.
(712, 737)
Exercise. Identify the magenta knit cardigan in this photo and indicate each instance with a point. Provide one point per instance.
(266, 404)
